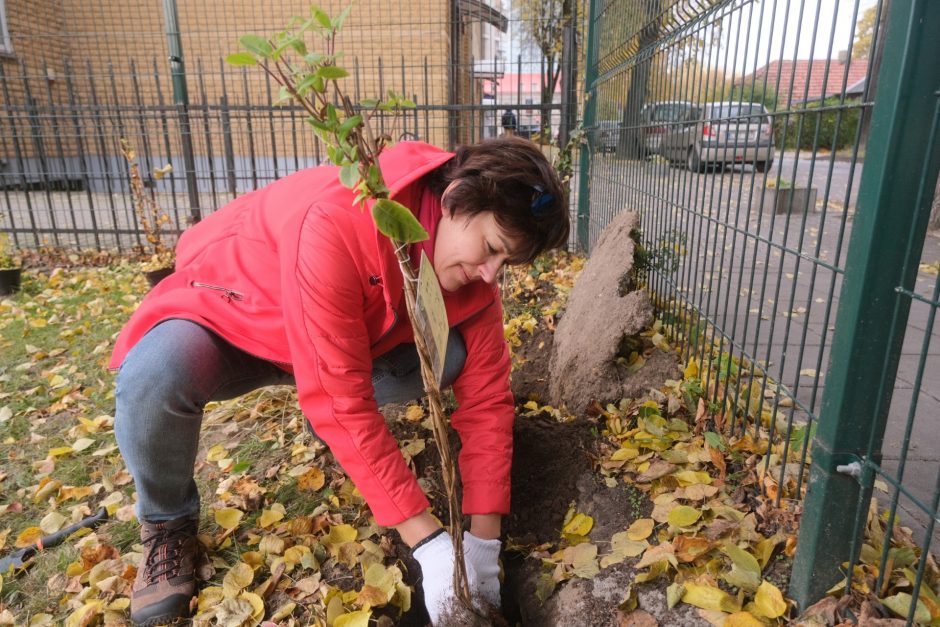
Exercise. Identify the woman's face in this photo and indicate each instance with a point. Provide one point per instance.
(469, 249)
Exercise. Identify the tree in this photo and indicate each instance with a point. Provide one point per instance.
(864, 30)
(544, 22)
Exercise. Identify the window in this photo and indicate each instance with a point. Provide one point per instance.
(6, 46)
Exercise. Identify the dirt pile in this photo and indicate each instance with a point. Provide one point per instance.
(604, 312)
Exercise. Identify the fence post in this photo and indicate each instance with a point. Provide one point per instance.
(181, 99)
(590, 114)
(872, 316)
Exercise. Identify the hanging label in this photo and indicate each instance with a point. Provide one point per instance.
(431, 316)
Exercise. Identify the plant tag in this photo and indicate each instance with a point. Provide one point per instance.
(431, 316)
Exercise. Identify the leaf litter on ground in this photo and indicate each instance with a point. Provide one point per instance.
(288, 538)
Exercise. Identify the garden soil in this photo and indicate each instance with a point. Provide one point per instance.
(554, 462)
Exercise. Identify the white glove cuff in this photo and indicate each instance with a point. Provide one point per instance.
(479, 550)
(440, 547)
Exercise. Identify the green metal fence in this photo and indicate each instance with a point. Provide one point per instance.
(786, 231)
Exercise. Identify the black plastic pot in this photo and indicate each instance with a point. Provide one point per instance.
(9, 280)
(155, 276)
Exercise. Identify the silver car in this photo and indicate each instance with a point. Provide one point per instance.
(719, 133)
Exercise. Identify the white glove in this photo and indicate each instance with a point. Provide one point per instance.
(483, 557)
(436, 558)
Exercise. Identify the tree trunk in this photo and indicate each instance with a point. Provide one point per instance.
(934, 223)
(631, 143)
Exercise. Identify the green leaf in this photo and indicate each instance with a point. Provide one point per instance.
(321, 16)
(258, 45)
(350, 124)
(339, 19)
(714, 440)
(241, 58)
(308, 82)
(313, 58)
(349, 176)
(397, 222)
(320, 125)
(368, 103)
(332, 72)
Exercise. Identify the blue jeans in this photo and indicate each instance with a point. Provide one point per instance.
(179, 366)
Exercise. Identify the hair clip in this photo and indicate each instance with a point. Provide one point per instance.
(542, 201)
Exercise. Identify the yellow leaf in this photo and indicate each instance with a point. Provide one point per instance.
(742, 619)
(237, 579)
(119, 604)
(312, 480)
(414, 413)
(709, 598)
(691, 370)
(684, 516)
(769, 601)
(59, 451)
(216, 453)
(228, 517)
(85, 615)
(52, 522)
(81, 444)
(283, 612)
(625, 453)
(341, 533)
(46, 487)
(271, 516)
(257, 604)
(641, 529)
(742, 559)
(353, 619)
(579, 525)
(28, 536)
(692, 477)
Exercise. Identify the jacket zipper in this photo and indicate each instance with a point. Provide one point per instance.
(388, 330)
(228, 294)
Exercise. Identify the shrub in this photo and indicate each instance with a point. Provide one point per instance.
(837, 127)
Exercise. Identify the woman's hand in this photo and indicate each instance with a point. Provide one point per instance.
(436, 557)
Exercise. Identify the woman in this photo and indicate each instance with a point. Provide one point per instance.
(292, 283)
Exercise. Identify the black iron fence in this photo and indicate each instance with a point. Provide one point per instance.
(224, 130)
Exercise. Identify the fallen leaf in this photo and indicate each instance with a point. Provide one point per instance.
(641, 529)
(684, 516)
(709, 598)
(769, 601)
(228, 517)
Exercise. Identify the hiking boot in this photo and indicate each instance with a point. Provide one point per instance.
(166, 581)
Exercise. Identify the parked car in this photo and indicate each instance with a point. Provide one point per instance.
(719, 133)
(656, 118)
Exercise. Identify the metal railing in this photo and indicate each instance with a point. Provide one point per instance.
(164, 86)
(783, 237)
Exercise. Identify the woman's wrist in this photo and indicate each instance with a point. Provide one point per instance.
(417, 528)
(486, 526)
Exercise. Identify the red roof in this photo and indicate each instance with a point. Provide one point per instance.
(510, 83)
(802, 72)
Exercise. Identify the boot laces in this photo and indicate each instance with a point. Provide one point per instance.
(164, 552)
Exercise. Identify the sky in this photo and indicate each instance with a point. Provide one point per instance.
(793, 35)
(793, 31)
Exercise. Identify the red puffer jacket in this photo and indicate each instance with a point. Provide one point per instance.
(296, 274)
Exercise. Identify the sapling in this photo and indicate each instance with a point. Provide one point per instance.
(312, 80)
(149, 215)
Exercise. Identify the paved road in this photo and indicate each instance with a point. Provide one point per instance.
(771, 282)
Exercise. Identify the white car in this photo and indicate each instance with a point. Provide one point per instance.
(720, 133)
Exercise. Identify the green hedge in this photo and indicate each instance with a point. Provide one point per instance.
(786, 127)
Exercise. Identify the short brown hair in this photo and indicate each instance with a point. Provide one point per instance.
(512, 178)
